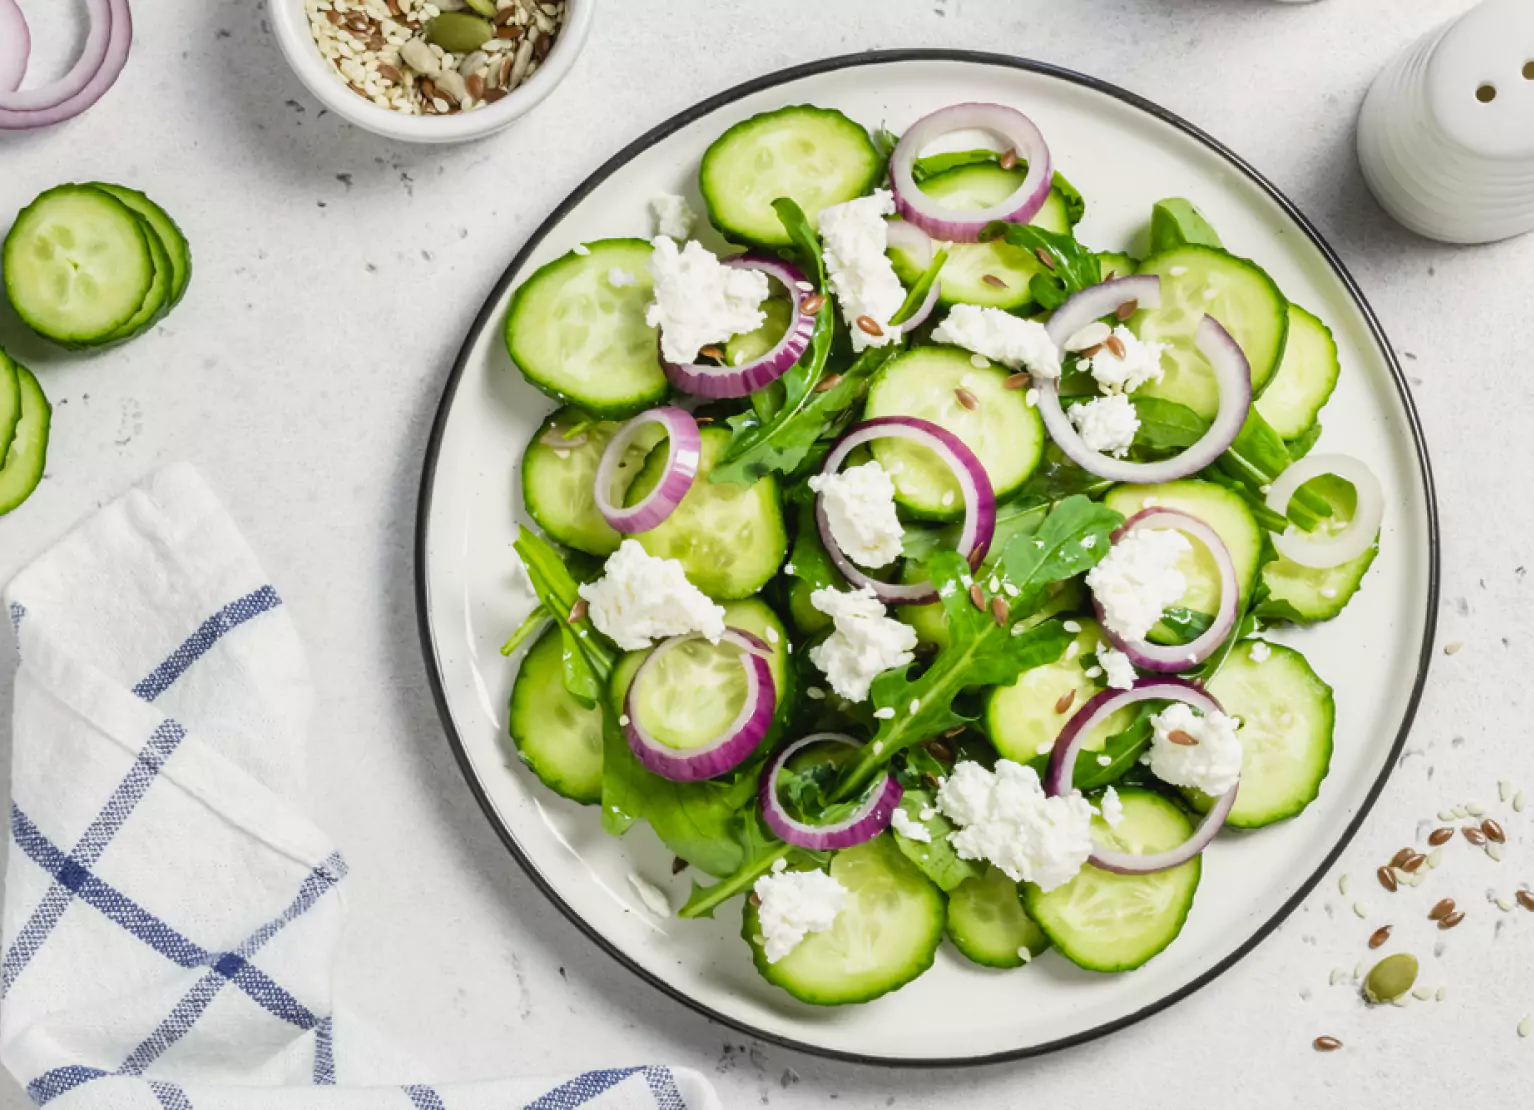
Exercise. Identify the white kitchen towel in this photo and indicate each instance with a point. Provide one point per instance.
(170, 916)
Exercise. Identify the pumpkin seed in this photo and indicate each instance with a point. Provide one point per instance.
(459, 32)
(1391, 978)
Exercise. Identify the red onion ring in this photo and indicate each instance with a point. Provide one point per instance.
(1102, 299)
(1060, 777)
(1171, 658)
(100, 63)
(1318, 549)
(717, 382)
(959, 225)
(871, 818)
(730, 748)
(979, 501)
(909, 239)
(684, 449)
(15, 46)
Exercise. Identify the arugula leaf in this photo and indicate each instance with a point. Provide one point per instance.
(759, 850)
(1072, 540)
(1187, 624)
(885, 142)
(935, 858)
(1122, 749)
(918, 294)
(1166, 425)
(806, 242)
(1072, 267)
(588, 659)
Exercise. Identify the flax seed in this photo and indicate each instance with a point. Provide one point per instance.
(334, 17)
(1413, 863)
(1441, 909)
(578, 610)
(812, 305)
(1401, 857)
(1066, 699)
(993, 281)
(1009, 159)
(977, 597)
(1378, 938)
(1326, 1044)
(829, 382)
(1440, 836)
(1116, 345)
(1092, 351)
(966, 398)
(1474, 835)
(495, 95)
(1182, 739)
(1451, 920)
(1044, 257)
(755, 899)
(869, 325)
(1017, 381)
(504, 16)
(1127, 309)
(1387, 879)
(1526, 900)
(476, 86)
(939, 751)
(504, 32)
(999, 609)
(1493, 831)
(391, 74)
(711, 352)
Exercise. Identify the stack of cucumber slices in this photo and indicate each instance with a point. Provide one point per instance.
(1011, 508)
(25, 417)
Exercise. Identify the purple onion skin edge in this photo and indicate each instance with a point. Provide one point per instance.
(867, 825)
(714, 761)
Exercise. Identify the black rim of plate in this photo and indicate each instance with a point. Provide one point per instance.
(676, 123)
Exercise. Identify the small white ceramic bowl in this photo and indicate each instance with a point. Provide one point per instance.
(314, 71)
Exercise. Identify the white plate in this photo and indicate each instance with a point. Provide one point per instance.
(1123, 154)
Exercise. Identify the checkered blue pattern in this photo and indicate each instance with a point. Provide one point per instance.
(169, 918)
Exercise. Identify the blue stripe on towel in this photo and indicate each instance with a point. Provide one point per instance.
(663, 1087)
(171, 1097)
(325, 1052)
(213, 630)
(581, 1090)
(423, 1097)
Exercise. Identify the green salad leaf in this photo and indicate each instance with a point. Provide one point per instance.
(1122, 749)
(588, 658)
(1072, 267)
(935, 858)
(918, 294)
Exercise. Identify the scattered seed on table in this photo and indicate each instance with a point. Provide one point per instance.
(1493, 831)
(1474, 835)
(1475, 809)
(1453, 648)
(1526, 900)
(1461, 811)
(1413, 862)
(1443, 992)
(1422, 994)
(1378, 938)
(1440, 835)
(1526, 1026)
(1401, 857)
(1505, 904)
(1441, 909)
(1360, 910)
(1338, 974)
(1448, 921)
(1326, 1044)
(1495, 852)
(1518, 802)
(1386, 877)
(1342, 883)
(1504, 788)
(1435, 857)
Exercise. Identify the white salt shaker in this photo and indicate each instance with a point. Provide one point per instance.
(1446, 134)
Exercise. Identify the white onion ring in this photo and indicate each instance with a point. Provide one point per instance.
(1060, 778)
(684, 449)
(730, 748)
(15, 46)
(909, 239)
(871, 818)
(979, 501)
(1103, 299)
(100, 63)
(1171, 658)
(719, 382)
(1314, 549)
(963, 225)
(919, 317)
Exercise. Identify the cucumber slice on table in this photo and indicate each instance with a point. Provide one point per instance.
(23, 464)
(886, 935)
(583, 340)
(78, 265)
(729, 538)
(558, 481)
(10, 402)
(816, 157)
(156, 301)
(1107, 922)
(1305, 378)
(1305, 595)
(987, 922)
(166, 229)
(1287, 715)
(1002, 430)
(558, 738)
(1195, 281)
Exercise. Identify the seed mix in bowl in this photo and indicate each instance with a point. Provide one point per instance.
(436, 58)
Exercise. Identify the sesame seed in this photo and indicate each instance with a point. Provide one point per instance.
(884, 714)
(815, 693)
(1360, 910)
(915, 706)
(1453, 649)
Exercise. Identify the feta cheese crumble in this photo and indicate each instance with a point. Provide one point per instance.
(641, 598)
(1107, 425)
(865, 643)
(902, 823)
(1001, 337)
(618, 278)
(1212, 765)
(1138, 579)
(1005, 817)
(699, 300)
(795, 904)
(1111, 807)
(860, 507)
(674, 217)
(855, 238)
(1118, 668)
(1141, 363)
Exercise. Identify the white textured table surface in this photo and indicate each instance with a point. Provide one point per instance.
(335, 278)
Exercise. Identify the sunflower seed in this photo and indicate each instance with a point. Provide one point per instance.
(1435, 858)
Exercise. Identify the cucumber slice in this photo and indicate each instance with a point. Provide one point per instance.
(157, 300)
(1175, 222)
(1002, 430)
(558, 738)
(1305, 595)
(558, 483)
(886, 935)
(987, 922)
(1305, 378)
(10, 402)
(1107, 922)
(816, 157)
(1221, 509)
(1022, 720)
(582, 340)
(165, 228)
(730, 539)
(754, 344)
(28, 454)
(1195, 281)
(77, 265)
(691, 694)
(1115, 264)
(1287, 714)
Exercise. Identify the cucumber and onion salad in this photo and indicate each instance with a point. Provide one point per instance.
(1077, 611)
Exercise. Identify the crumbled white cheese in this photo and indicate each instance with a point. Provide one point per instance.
(793, 905)
(855, 237)
(618, 278)
(1138, 579)
(902, 823)
(641, 597)
(1005, 817)
(1259, 651)
(1001, 337)
(1141, 363)
(1111, 807)
(859, 503)
(865, 643)
(674, 217)
(653, 897)
(1212, 765)
(1118, 668)
(699, 300)
(1107, 425)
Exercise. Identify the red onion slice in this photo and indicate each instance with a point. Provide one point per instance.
(871, 818)
(1171, 658)
(909, 239)
(684, 449)
(718, 382)
(1321, 549)
(963, 225)
(730, 748)
(979, 501)
(1231, 373)
(15, 46)
(1102, 299)
(100, 63)
(919, 317)
(1060, 777)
